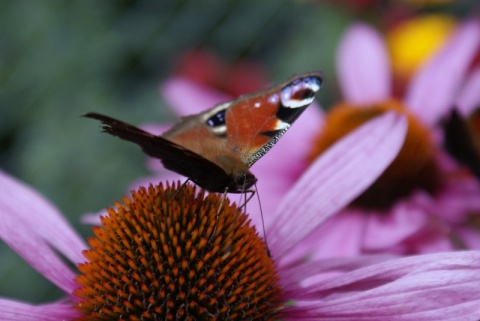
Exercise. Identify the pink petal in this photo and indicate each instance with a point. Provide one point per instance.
(433, 89)
(385, 231)
(431, 243)
(340, 236)
(41, 216)
(294, 274)
(468, 236)
(17, 311)
(363, 66)
(24, 240)
(469, 98)
(187, 97)
(394, 270)
(458, 199)
(335, 179)
(428, 287)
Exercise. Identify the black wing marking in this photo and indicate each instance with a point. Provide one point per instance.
(174, 157)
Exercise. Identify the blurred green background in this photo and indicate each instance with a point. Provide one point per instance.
(60, 59)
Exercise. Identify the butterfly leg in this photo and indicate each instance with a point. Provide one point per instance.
(263, 223)
(247, 199)
(181, 188)
(220, 208)
(234, 223)
(252, 193)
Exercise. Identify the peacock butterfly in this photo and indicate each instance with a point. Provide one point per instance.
(215, 148)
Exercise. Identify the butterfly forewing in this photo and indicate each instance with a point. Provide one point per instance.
(257, 121)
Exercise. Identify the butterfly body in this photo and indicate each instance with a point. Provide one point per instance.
(216, 148)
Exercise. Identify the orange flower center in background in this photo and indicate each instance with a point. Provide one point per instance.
(163, 256)
(414, 167)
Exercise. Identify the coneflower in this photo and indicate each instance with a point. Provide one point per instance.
(165, 254)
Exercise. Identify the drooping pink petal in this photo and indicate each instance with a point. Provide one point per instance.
(335, 179)
(18, 311)
(24, 240)
(469, 98)
(363, 66)
(433, 89)
(187, 97)
(41, 216)
(428, 287)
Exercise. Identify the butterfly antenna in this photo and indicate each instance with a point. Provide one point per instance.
(263, 223)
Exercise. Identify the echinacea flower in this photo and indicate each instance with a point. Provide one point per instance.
(167, 255)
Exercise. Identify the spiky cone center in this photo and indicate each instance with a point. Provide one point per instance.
(165, 254)
(415, 166)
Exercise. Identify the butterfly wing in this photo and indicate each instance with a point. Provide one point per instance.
(215, 148)
(255, 122)
(173, 156)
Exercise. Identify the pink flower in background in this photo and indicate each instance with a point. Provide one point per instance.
(419, 218)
